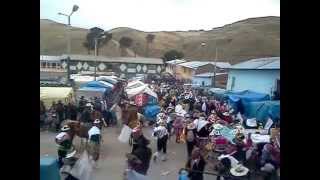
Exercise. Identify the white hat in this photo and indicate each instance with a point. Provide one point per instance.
(239, 170)
(267, 168)
(65, 128)
(226, 114)
(201, 124)
(88, 104)
(97, 121)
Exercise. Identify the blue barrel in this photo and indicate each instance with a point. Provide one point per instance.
(49, 169)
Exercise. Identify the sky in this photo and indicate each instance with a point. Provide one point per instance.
(157, 15)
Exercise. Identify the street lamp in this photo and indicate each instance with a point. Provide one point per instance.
(96, 53)
(74, 9)
(203, 44)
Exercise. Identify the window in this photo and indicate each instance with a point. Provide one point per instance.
(233, 82)
(43, 64)
(54, 65)
(203, 83)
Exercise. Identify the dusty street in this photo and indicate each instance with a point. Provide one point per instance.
(112, 159)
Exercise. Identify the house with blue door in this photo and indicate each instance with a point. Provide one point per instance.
(260, 75)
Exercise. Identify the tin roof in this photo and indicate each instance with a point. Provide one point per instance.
(176, 61)
(137, 60)
(196, 64)
(260, 63)
(209, 74)
(49, 58)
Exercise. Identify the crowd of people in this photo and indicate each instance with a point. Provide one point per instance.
(192, 117)
(198, 120)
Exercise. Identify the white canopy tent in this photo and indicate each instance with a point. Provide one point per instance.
(137, 87)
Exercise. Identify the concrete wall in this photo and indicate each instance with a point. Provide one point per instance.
(263, 81)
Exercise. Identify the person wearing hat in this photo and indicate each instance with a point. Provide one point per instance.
(196, 165)
(227, 117)
(64, 142)
(190, 135)
(82, 104)
(95, 140)
(141, 151)
(161, 133)
(239, 171)
(60, 114)
(85, 116)
(240, 153)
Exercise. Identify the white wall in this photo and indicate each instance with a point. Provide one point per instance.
(263, 81)
(198, 80)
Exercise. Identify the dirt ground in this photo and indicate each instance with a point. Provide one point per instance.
(112, 159)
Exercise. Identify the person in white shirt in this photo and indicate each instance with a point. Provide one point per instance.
(161, 133)
(95, 140)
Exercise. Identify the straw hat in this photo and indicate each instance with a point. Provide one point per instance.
(239, 170)
(65, 128)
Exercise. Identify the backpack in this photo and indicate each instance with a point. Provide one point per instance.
(190, 136)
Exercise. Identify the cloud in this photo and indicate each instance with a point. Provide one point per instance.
(156, 15)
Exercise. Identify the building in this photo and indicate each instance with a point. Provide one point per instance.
(207, 80)
(260, 75)
(187, 70)
(171, 66)
(50, 68)
(126, 67)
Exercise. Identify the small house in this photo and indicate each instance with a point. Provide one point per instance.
(187, 70)
(207, 80)
(260, 75)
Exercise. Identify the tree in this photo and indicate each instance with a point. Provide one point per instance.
(125, 42)
(149, 38)
(172, 54)
(94, 33)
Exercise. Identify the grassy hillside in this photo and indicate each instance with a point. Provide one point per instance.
(250, 38)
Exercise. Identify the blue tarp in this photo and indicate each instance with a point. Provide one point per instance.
(49, 169)
(93, 89)
(97, 84)
(152, 100)
(262, 110)
(238, 98)
(151, 111)
(247, 95)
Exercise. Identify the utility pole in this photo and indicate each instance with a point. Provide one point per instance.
(96, 53)
(215, 68)
(74, 9)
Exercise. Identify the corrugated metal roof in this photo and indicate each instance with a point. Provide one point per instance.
(196, 64)
(137, 60)
(260, 63)
(50, 58)
(176, 61)
(209, 74)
